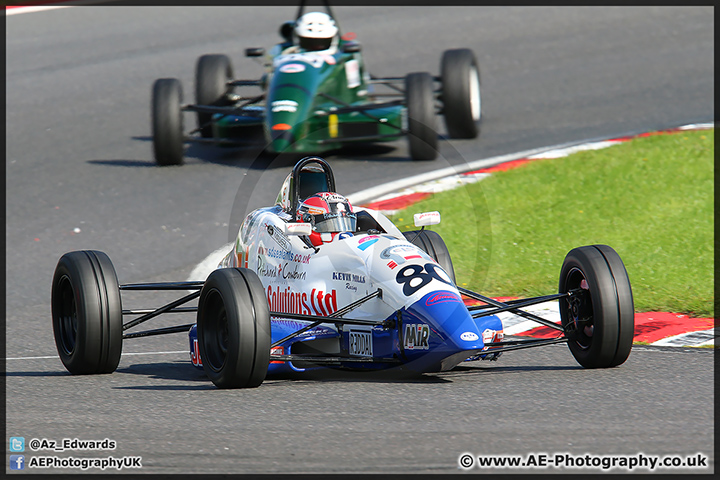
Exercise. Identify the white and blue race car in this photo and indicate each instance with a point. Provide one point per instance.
(311, 282)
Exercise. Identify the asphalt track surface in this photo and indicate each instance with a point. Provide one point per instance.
(79, 157)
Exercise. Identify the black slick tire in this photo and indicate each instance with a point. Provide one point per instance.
(422, 129)
(87, 313)
(233, 326)
(601, 320)
(167, 122)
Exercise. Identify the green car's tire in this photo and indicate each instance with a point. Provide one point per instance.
(212, 74)
(233, 327)
(87, 313)
(461, 93)
(432, 243)
(167, 122)
(600, 322)
(422, 129)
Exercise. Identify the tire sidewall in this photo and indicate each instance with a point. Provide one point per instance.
(98, 343)
(456, 67)
(603, 291)
(422, 121)
(167, 122)
(248, 323)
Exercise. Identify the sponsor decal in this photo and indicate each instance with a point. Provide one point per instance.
(360, 343)
(344, 235)
(490, 335)
(416, 336)
(317, 302)
(368, 238)
(284, 255)
(398, 254)
(332, 197)
(296, 325)
(265, 270)
(352, 73)
(313, 60)
(195, 354)
(364, 246)
(315, 211)
(365, 242)
(278, 236)
(284, 106)
(277, 351)
(292, 68)
(414, 277)
(333, 125)
(442, 297)
(348, 277)
(469, 336)
(392, 264)
(291, 274)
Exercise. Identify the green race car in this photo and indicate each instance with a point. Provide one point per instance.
(317, 95)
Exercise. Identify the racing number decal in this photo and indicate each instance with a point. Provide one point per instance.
(413, 277)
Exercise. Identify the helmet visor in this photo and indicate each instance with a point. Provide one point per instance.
(335, 222)
(315, 44)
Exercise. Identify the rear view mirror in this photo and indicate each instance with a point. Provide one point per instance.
(297, 229)
(254, 52)
(351, 47)
(426, 218)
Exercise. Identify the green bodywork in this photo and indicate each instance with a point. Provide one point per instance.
(311, 106)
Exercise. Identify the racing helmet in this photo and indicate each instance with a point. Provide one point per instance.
(315, 31)
(330, 214)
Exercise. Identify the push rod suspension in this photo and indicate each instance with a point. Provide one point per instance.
(512, 308)
(163, 286)
(159, 331)
(161, 310)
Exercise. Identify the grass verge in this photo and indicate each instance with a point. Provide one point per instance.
(650, 198)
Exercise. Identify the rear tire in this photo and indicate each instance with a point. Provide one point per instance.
(422, 124)
(212, 73)
(432, 243)
(603, 317)
(167, 121)
(233, 327)
(87, 313)
(461, 93)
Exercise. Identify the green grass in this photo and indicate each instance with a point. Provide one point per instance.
(651, 199)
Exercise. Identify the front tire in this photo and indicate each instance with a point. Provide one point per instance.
(87, 313)
(461, 93)
(233, 327)
(432, 243)
(167, 121)
(422, 129)
(601, 320)
(212, 74)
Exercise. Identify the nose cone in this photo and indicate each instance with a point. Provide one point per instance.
(438, 332)
(281, 138)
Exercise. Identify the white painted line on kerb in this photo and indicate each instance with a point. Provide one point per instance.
(124, 354)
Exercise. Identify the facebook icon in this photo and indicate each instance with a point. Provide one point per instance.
(17, 462)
